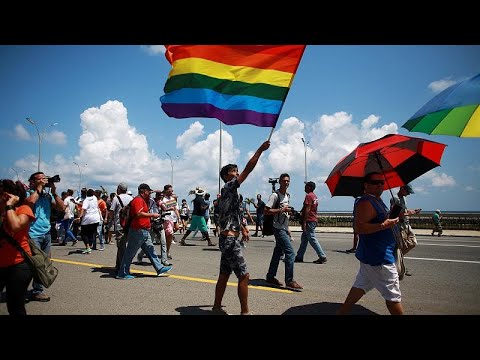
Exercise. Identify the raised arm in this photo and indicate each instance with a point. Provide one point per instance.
(252, 162)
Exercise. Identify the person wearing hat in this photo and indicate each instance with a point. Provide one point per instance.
(437, 225)
(198, 218)
(139, 235)
(405, 213)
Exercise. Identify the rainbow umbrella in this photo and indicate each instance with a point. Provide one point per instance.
(455, 111)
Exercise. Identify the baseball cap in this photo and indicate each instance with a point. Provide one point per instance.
(408, 188)
(144, 187)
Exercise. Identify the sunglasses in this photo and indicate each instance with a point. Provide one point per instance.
(376, 182)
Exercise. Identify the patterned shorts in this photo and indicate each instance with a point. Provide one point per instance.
(232, 256)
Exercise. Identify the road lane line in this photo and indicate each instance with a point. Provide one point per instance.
(469, 246)
(181, 277)
(447, 260)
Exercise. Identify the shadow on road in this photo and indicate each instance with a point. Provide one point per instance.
(211, 248)
(108, 271)
(326, 308)
(195, 310)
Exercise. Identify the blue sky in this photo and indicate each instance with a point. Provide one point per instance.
(105, 101)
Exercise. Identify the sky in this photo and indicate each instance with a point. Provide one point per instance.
(104, 102)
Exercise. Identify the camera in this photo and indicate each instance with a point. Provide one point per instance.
(52, 179)
(295, 215)
(157, 223)
(273, 181)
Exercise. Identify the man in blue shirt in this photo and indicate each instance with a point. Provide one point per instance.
(41, 202)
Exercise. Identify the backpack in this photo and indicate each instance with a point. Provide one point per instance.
(268, 219)
(124, 216)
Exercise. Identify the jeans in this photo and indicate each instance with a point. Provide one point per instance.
(68, 233)
(137, 239)
(44, 243)
(283, 245)
(308, 236)
(158, 238)
(100, 234)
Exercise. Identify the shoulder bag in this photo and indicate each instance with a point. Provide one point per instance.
(43, 270)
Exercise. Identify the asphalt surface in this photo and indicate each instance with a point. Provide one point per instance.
(445, 280)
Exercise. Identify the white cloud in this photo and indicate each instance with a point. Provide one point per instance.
(22, 133)
(440, 180)
(334, 136)
(154, 49)
(440, 85)
(56, 137)
(115, 151)
(469, 188)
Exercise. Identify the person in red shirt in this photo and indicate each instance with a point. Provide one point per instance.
(15, 275)
(309, 223)
(139, 235)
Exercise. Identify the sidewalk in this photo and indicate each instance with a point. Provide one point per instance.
(348, 230)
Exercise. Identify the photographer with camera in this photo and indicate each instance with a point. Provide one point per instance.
(279, 205)
(40, 200)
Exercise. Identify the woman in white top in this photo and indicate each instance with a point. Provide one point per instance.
(90, 218)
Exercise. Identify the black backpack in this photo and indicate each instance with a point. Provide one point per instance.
(268, 219)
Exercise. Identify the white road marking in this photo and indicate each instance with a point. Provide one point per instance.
(447, 260)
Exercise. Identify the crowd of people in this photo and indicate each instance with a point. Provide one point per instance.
(154, 216)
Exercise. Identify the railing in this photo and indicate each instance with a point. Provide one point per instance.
(450, 221)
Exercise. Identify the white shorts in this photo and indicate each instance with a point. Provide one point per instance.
(384, 278)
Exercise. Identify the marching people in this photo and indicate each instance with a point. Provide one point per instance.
(375, 249)
(404, 217)
(15, 274)
(139, 235)
(232, 259)
(89, 218)
(309, 223)
(170, 208)
(279, 205)
(260, 207)
(41, 202)
(121, 200)
(437, 224)
(198, 218)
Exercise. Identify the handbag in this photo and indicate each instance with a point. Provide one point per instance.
(407, 238)
(43, 270)
(398, 254)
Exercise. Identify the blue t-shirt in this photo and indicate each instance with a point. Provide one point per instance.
(42, 210)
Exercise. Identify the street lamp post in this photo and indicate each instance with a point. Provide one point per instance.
(40, 135)
(171, 163)
(305, 144)
(16, 172)
(80, 179)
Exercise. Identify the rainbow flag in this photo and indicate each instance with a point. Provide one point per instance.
(237, 84)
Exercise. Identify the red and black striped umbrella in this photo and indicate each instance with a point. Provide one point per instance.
(400, 158)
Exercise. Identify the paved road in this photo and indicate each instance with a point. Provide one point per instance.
(446, 280)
